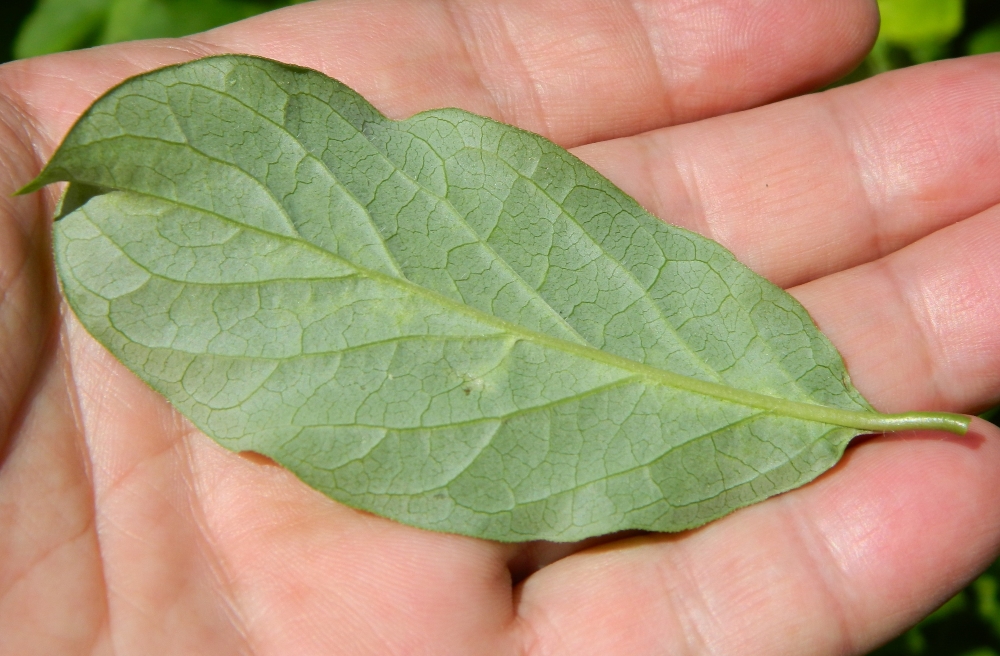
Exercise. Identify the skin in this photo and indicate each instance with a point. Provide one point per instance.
(127, 531)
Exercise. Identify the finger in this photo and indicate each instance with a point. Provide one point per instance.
(573, 70)
(816, 184)
(333, 580)
(918, 328)
(28, 308)
(578, 70)
(835, 567)
(51, 591)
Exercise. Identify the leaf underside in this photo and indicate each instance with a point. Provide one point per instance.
(445, 320)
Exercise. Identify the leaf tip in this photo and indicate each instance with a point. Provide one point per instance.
(32, 186)
(45, 177)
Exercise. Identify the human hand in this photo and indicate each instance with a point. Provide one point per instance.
(126, 530)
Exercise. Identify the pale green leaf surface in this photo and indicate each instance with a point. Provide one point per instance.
(444, 320)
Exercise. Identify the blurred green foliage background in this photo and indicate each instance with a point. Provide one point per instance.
(919, 31)
(912, 32)
(56, 25)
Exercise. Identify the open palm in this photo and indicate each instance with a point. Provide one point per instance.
(125, 530)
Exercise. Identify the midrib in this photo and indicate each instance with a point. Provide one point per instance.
(861, 420)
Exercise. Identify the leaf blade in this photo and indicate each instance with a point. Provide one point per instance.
(305, 278)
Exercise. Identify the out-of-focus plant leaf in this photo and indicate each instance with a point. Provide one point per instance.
(993, 415)
(988, 605)
(128, 20)
(57, 25)
(914, 22)
(912, 32)
(921, 27)
(985, 40)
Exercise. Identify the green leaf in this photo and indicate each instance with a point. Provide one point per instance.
(443, 320)
(57, 25)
